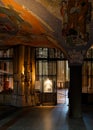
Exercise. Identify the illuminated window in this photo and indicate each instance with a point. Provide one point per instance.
(87, 73)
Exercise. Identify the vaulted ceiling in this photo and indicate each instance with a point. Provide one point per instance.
(20, 24)
(36, 23)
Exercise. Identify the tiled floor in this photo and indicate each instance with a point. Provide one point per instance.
(47, 118)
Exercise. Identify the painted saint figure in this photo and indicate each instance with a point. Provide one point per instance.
(74, 14)
(64, 12)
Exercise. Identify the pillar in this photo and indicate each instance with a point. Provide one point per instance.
(18, 72)
(27, 74)
(33, 75)
(75, 91)
(24, 76)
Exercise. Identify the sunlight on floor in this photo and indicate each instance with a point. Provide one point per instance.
(62, 96)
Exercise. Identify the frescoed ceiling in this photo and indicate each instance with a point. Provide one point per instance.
(45, 23)
(20, 26)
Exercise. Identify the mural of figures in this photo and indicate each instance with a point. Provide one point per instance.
(74, 19)
(64, 18)
(64, 12)
(77, 16)
(66, 22)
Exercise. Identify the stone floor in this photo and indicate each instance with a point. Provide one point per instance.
(45, 118)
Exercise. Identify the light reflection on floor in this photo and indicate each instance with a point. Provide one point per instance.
(62, 96)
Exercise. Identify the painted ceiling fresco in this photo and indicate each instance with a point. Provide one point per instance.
(45, 23)
(19, 26)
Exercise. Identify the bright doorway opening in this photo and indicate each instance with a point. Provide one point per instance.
(62, 82)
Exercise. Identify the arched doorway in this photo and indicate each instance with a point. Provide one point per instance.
(87, 77)
(52, 78)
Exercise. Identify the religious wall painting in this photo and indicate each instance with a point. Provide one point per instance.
(13, 28)
(10, 21)
(13, 24)
(76, 16)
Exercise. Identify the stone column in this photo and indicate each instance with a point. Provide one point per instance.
(28, 76)
(24, 76)
(75, 91)
(33, 74)
(18, 71)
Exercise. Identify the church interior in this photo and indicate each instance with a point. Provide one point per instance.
(46, 53)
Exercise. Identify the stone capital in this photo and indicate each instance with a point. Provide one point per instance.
(76, 57)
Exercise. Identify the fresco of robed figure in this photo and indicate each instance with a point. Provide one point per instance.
(74, 16)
